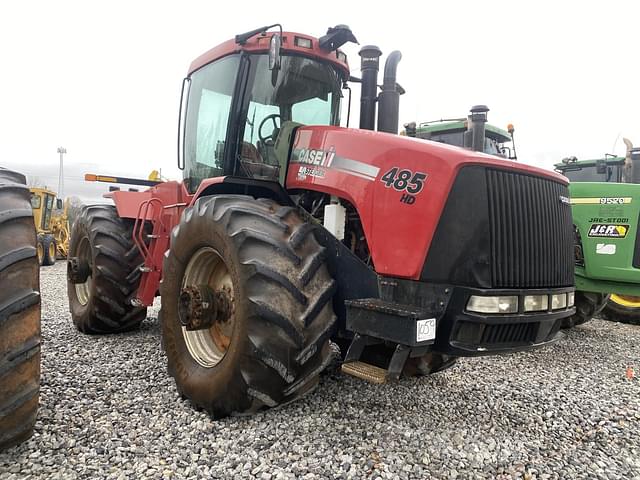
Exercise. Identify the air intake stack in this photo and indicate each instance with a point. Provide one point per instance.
(369, 66)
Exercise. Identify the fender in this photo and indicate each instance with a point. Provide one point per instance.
(398, 185)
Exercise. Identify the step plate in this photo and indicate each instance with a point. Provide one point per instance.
(365, 371)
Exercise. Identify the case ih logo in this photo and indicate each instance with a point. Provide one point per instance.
(320, 158)
(608, 231)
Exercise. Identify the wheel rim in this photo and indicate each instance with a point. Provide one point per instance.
(209, 346)
(626, 300)
(52, 251)
(40, 252)
(83, 290)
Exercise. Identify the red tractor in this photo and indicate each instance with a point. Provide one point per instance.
(289, 232)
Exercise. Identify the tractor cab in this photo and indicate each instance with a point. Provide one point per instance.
(609, 169)
(241, 104)
(459, 132)
(42, 203)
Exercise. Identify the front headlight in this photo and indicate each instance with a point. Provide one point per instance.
(571, 299)
(479, 304)
(558, 300)
(536, 303)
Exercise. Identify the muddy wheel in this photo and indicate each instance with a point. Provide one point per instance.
(49, 250)
(622, 308)
(588, 305)
(19, 312)
(102, 248)
(246, 305)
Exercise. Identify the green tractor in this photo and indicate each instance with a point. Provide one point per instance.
(605, 199)
(472, 132)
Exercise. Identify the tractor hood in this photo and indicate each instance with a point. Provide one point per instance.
(398, 185)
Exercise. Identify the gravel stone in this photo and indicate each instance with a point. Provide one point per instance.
(110, 410)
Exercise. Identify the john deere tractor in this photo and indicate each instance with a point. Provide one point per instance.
(605, 199)
(472, 132)
(50, 216)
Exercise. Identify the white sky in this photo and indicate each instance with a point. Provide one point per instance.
(103, 79)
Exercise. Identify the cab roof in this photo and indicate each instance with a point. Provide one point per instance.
(260, 44)
(461, 125)
(589, 163)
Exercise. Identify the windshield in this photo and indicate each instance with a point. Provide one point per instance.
(590, 174)
(303, 91)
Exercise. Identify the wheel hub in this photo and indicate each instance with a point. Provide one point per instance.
(78, 270)
(200, 306)
(206, 308)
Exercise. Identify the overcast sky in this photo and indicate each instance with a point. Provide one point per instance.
(103, 79)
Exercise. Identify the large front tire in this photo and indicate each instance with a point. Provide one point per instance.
(588, 305)
(103, 242)
(275, 342)
(623, 309)
(19, 312)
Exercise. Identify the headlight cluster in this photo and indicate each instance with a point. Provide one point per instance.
(509, 303)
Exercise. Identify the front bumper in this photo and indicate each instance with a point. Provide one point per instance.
(464, 333)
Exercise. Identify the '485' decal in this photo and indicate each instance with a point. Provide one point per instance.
(404, 181)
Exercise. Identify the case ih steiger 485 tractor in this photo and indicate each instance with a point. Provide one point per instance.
(289, 231)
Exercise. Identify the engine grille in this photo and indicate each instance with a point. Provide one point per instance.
(531, 231)
(510, 333)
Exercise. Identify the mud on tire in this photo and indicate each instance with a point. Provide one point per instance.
(283, 315)
(102, 304)
(19, 312)
(588, 305)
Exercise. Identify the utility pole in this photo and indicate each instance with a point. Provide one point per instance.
(61, 151)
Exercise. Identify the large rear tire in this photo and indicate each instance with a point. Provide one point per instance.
(588, 305)
(622, 308)
(19, 312)
(274, 343)
(103, 242)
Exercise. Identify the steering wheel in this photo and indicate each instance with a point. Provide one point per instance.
(269, 139)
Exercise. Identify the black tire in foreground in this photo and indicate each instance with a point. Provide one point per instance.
(49, 250)
(268, 340)
(102, 244)
(19, 312)
(623, 309)
(588, 305)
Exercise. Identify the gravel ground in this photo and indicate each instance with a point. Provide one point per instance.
(110, 410)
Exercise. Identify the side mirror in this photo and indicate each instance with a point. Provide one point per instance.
(274, 52)
(59, 204)
(601, 166)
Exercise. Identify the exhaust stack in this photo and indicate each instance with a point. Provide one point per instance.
(389, 109)
(369, 65)
(474, 136)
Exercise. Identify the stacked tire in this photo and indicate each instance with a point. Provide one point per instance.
(19, 312)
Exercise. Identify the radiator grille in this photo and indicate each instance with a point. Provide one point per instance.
(531, 231)
(510, 333)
